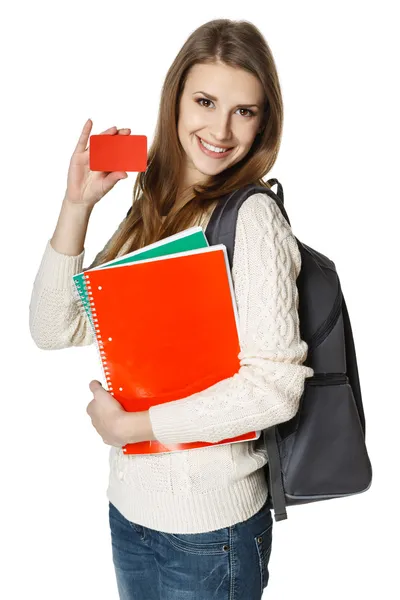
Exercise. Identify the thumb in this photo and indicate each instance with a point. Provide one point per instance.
(111, 179)
(95, 385)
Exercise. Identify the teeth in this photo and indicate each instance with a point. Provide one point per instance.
(213, 148)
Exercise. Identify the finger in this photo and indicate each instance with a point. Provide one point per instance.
(110, 131)
(83, 138)
(94, 384)
(82, 145)
(111, 179)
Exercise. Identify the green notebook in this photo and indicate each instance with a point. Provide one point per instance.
(183, 241)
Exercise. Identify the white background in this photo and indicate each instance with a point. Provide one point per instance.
(339, 165)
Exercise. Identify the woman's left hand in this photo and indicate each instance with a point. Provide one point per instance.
(116, 426)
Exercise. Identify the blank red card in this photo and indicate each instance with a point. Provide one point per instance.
(118, 153)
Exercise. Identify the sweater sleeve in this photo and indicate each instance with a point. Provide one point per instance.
(269, 384)
(57, 318)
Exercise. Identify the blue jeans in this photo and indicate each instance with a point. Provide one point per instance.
(226, 564)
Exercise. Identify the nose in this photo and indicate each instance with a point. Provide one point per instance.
(221, 130)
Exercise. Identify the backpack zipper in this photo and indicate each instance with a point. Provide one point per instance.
(327, 378)
(324, 330)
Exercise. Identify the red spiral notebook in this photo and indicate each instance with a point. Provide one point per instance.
(166, 328)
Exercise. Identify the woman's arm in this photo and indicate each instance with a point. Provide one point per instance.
(269, 384)
(56, 316)
(70, 232)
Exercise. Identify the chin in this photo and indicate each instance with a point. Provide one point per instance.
(208, 172)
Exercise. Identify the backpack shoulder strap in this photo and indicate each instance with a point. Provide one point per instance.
(279, 193)
(221, 228)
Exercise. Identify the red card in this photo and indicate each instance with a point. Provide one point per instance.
(118, 153)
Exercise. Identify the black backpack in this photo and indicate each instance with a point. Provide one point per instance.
(320, 453)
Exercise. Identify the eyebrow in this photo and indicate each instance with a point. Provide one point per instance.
(214, 98)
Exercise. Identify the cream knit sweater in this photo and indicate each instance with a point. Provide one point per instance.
(200, 490)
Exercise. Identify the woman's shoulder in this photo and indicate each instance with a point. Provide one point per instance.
(265, 245)
(257, 210)
(261, 210)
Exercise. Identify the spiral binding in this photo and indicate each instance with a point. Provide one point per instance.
(99, 341)
(80, 293)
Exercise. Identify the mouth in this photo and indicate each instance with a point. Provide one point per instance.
(210, 152)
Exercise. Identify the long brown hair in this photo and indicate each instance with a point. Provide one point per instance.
(234, 43)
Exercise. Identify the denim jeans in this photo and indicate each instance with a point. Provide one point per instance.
(226, 564)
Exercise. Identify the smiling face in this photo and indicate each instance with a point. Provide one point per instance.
(224, 107)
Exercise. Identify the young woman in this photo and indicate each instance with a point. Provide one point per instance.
(194, 524)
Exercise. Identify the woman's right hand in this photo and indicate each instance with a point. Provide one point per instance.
(86, 187)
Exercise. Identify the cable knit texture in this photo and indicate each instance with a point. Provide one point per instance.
(208, 488)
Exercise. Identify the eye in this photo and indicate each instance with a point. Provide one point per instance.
(207, 100)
